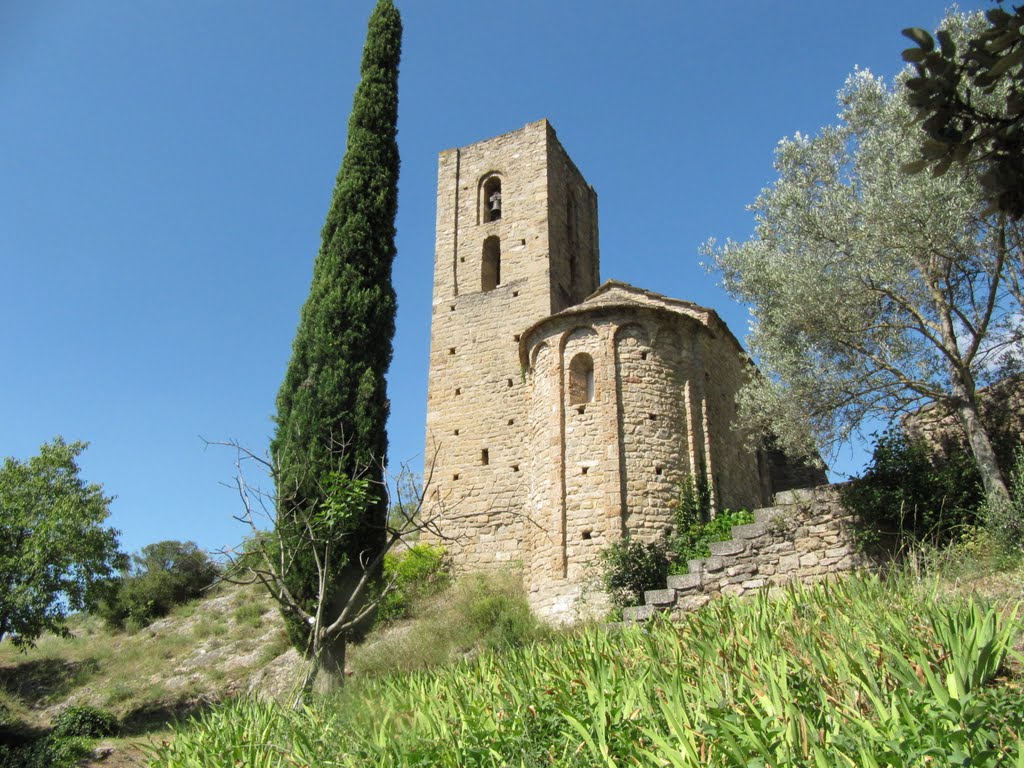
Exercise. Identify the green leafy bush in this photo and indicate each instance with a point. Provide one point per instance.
(630, 566)
(418, 572)
(48, 752)
(1004, 522)
(162, 576)
(908, 495)
(476, 611)
(84, 721)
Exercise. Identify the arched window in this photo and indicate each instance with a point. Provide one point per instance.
(490, 199)
(581, 379)
(490, 271)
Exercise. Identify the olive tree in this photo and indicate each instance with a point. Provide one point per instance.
(873, 291)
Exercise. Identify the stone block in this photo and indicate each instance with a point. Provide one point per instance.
(713, 564)
(749, 531)
(753, 584)
(685, 582)
(660, 597)
(809, 560)
(637, 613)
(744, 569)
(770, 514)
(727, 548)
(789, 563)
(692, 602)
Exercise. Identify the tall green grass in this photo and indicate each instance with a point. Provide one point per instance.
(855, 673)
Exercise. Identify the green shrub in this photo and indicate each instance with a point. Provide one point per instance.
(47, 752)
(691, 542)
(476, 611)
(630, 566)
(494, 617)
(909, 496)
(163, 575)
(84, 721)
(418, 572)
(250, 614)
(1004, 522)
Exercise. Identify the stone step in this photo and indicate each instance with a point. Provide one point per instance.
(660, 598)
(769, 515)
(691, 603)
(638, 613)
(796, 496)
(749, 531)
(685, 582)
(696, 566)
(727, 548)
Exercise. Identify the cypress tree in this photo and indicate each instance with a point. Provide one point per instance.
(332, 406)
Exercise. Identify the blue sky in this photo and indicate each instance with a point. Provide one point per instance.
(165, 168)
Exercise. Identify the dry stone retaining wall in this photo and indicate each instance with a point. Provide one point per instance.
(806, 536)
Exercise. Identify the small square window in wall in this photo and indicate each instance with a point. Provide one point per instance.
(458, 390)
(510, 383)
(511, 422)
(643, 355)
(586, 534)
(652, 416)
(456, 433)
(451, 307)
(514, 294)
(515, 467)
(516, 338)
(658, 470)
(455, 476)
(584, 470)
(451, 350)
(581, 409)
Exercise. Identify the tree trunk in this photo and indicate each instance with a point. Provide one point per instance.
(978, 440)
(329, 666)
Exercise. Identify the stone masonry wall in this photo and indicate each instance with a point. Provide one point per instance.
(806, 536)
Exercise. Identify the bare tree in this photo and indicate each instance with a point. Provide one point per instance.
(334, 616)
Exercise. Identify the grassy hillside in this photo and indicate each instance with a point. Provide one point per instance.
(860, 673)
(223, 646)
(896, 672)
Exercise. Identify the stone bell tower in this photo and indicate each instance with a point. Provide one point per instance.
(516, 242)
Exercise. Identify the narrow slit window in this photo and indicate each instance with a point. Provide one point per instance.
(490, 271)
(581, 379)
(485, 457)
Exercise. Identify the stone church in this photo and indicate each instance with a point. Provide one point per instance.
(563, 413)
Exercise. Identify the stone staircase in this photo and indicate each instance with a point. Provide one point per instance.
(805, 536)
